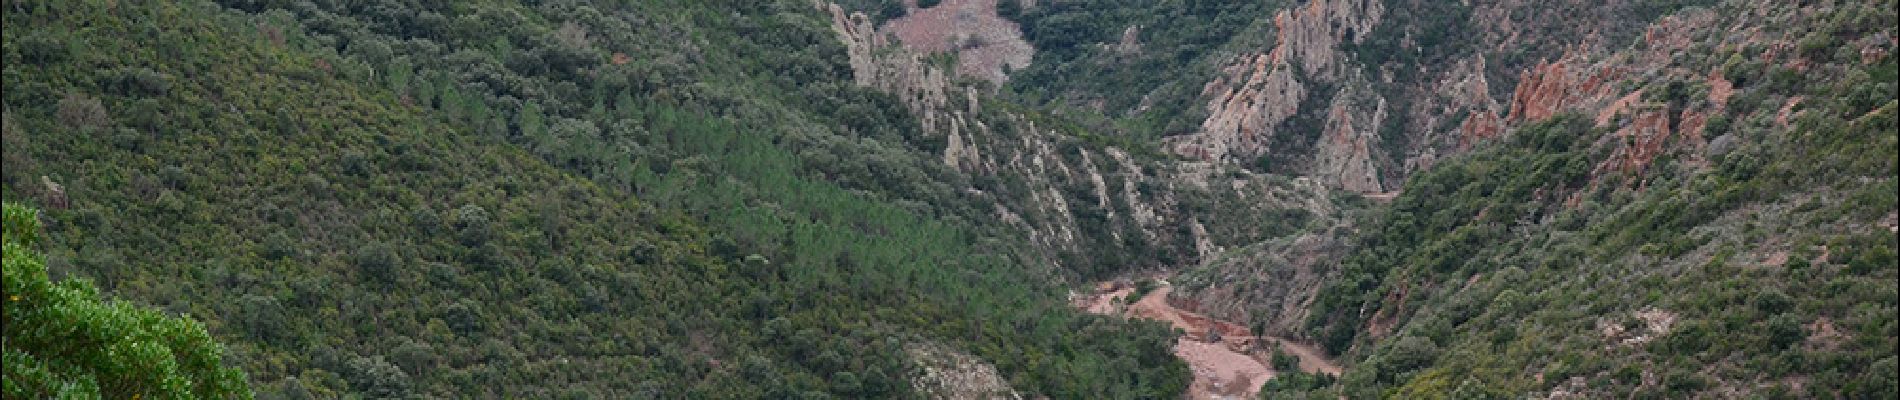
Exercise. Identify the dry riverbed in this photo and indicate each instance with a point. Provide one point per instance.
(1227, 361)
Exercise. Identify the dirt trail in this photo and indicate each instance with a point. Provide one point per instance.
(1311, 358)
(1227, 362)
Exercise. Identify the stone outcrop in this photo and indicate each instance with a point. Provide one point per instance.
(1469, 91)
(1344, 152)
(951, 374)
(1645, 127)
(1311, 35)
(1457, 112)
(1131, 41)
(1247, 101)
(1250, 99)
(901, 74)
(1553, 87)
(1437, 107)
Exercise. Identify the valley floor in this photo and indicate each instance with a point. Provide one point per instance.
(1227, 360)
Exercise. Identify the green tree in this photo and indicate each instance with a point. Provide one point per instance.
(63, 341)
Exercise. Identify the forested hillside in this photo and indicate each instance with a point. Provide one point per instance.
(491, 199)
(921, 199)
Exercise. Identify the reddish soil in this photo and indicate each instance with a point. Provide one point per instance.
(1720, 89)
(1226, 360)
(1479, 127)
(1609, 113)
(987, 45)
(1382, 322)
(1787, 110)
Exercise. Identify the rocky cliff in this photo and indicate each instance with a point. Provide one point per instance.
(1092, 207)
(1251, 99)
(1344, 154)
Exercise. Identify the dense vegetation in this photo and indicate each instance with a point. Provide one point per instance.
(63, 341)
(402, 199)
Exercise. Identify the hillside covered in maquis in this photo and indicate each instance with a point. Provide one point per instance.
(553, 199)
(1481, 199)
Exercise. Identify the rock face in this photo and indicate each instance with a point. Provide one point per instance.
(1551, 87)
(1245, 103)
(1469, 91)
(951, 374)
(901, 74)
(1646, 124)
(1344, 155)
(1131, 40)
(1437, 103)
(1311, 35)
(1251, 98)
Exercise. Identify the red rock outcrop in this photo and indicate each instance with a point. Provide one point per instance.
(1720, 89)
(1638, 142)
(1609, 113)
(1465, 88)
(1344, 153)
(1552, 87)
(1644, 131)
(1479, 127)
(1246, 101)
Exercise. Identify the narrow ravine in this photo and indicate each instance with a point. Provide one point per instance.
(1227, 361)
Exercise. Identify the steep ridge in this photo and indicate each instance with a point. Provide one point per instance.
(1252, 99)
(1344, 153)
(1422, 105)
(1605, 181)
(1089, 205)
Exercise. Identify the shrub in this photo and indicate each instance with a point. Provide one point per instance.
(377, 377)
(81, 112)
(378, 261)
